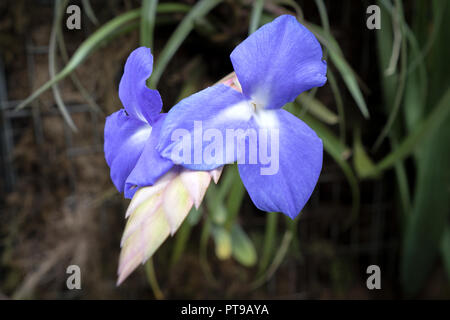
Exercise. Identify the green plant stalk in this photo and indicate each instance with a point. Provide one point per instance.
(402, 81)
(279, 257)
(269, 241)
(148, 16)
(339, 104)
(151, 277)
(347, 73)
(255, 16)
(234, 199)
(402, 181)
(204, 237)
(89, 11)
(180, 242)
(58, 12)
(73, 76)
(323, 15)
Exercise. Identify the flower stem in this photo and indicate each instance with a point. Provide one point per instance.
(269, 241)
(151, 277)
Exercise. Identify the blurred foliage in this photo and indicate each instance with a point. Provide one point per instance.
(413, 141)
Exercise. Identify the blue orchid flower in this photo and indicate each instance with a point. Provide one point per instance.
(131, 134)
(273, 66)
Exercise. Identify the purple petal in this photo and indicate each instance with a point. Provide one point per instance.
(125, 138)
(138, 100)
(194, 123)
(278, 62)
(150, 166)
(300, 163)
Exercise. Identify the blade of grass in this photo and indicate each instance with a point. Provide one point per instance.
(361, 161)
(269, 241)
(323, 15)
(339, 104)
(345, 70)
(148, 16)
(89, 11)
(317, 109)
(204, 237)
(255, 16)
(58, 14)
(279, 257)
(235, 198)
(402, 79)
(73, 76)
(152, 280)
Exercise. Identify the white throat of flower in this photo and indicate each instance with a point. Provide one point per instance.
(254, 108)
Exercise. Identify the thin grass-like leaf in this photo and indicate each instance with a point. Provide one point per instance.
(148, 17)
(279, 257)
(58, 14)
(345, 70)
(73, 76)
(339, 104)
(362, 163)
(89, 11)
(269, 242)
(317, 109)
(402, 77)
(255, 16)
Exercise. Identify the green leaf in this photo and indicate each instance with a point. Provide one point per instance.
(255, 17)
(400, 87)
(346, 71)
(148, 16)
(235, 197)
(430, 212)
(89, 11)
(317, 109)
(52, 52)
(269, 241)
(364, 166)
(243, 249)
